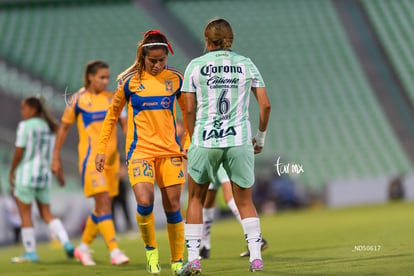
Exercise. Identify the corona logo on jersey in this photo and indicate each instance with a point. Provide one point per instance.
(208, 70)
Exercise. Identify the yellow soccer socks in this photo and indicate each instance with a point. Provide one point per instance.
(91, 229)
(146, 224)
(175, 229)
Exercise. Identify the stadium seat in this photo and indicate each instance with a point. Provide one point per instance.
(56, 41)
(394, 23)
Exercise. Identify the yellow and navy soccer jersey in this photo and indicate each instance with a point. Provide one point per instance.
(89, 111)
(151, 104)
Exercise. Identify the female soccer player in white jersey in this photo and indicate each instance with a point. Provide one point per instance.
(217, 86)
(30, 175)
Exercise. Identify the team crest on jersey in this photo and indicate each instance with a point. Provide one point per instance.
(168, 86)
(165, 102)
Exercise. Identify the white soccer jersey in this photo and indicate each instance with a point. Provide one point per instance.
(37, 140)
(222, 81)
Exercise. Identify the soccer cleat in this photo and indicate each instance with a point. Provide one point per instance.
(176, 266)
(119, 258)
(84, 257)
(68, 247)
(153, 265)
(190, 268)
(204, 253)
(263, 248)
(28, 257)
(256, 265)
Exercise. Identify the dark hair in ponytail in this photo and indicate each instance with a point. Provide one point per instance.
(39, 104)
(91, 68)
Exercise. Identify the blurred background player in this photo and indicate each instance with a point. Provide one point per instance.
(220, 180)
(217, 87)
(88, 108)
(150, 89)
(30, 175)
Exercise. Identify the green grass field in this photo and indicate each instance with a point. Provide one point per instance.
(373, 240)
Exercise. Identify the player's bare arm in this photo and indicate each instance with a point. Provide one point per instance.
(264, 105)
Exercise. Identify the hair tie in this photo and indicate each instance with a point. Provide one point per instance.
(153, 32)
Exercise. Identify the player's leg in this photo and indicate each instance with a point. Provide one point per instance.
(54, 224)
(24, 199)
(96, 185)
(91, 230)
(107, 228)
(112, 181)
(144, 195)
(170, 177)
(240, 161)
(141, 177)
(208, 219)
(202, 162)
(228, 197)
(175, 224)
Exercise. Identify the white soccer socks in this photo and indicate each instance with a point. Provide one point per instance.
(232, 205)
(28, 239)
(251, 228)
(192, 233)
(208, 219)
(56, 227)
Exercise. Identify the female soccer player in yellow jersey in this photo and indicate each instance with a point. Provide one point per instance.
(88, 108)
(150, 89)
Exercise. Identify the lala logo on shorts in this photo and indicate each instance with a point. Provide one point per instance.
(176, 161)
(168, 86)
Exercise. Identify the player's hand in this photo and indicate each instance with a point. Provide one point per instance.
(57, 170)
(185, 154)
(11, 180)
(100, 162)
(257, 149)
